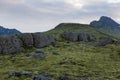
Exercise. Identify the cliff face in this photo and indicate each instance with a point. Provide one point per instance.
(16, 43)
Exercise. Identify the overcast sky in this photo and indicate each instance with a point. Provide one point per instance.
(42, 15)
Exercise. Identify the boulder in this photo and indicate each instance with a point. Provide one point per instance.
(27, 40)
(37, 54)
(41, 77)
(78, 36)
(104, 41)
(10, 44)
(18, 73)
(42, 40)
(72, 36)
(83, 37)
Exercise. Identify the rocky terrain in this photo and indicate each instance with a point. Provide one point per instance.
(70, 51)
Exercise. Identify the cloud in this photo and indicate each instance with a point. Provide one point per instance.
(42, 15)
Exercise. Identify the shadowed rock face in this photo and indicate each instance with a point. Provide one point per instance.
(10, 44)
(27, 39)
(13, 43)
(41, 40)
(78, 36)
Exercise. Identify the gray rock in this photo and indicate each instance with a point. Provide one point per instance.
(18, 73)
(27, 39)
(41, 77)
(10, 44)
(83, 37)
(91, 37)
(72, 36)
(104, 41)
(78, 36)
(37, 54)
(42, 40)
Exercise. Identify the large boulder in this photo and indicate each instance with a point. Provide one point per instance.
(42, 40)
(72, 36)
(78, 36)
(10, 44)
(27, 39)
(104, 41)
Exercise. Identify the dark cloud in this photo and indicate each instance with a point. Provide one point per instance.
(42, 15)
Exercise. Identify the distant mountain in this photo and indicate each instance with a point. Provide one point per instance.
(8, 31)
(107, 25)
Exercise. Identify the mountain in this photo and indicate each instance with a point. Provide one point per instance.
(57, 58)
(8, 31)
(75, 27)
(107, 25)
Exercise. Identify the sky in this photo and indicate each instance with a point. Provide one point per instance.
(43, 15)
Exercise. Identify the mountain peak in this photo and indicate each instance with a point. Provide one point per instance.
(105, 21)
(107, 24)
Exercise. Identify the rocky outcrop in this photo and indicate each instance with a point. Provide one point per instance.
(41, 40)
(104, 41)
(10, 44)
(78, 36)
(16, 43)
(27, 39)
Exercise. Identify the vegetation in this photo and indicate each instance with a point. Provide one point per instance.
(75, 60)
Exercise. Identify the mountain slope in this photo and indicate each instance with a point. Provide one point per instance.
(66, 60)
(75, 27)
(8, 31)
(107, 25)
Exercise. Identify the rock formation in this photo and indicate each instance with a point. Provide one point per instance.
(78, 36)
(16, 43)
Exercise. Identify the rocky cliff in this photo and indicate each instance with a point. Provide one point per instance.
(16, 43)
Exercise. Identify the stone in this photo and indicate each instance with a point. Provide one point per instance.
(78, 36)
(27, 40)
(42, 40)
(91, 37)
(72, 36)
(10, 44)
(18, 73)
(83, 37)
(104, 41)
(41, 77)
(37, 54)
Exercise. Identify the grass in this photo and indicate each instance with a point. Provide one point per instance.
(75, 60)
(79, 61)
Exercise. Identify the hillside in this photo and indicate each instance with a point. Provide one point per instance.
(75, 27)
(64, 59)
(107, 25)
